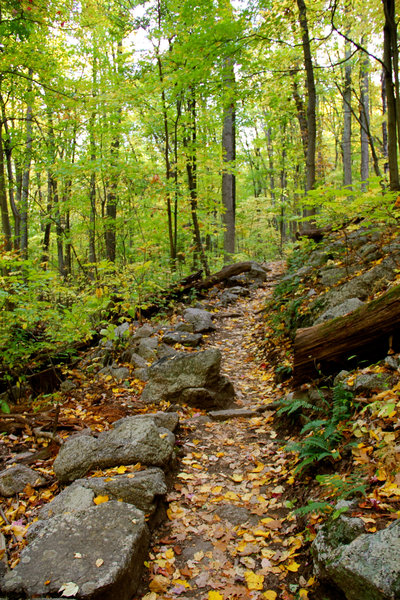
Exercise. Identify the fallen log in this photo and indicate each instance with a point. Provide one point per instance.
(190, 285)
(368, 333)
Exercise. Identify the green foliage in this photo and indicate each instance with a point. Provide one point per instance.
(337, 488)
(323, 437)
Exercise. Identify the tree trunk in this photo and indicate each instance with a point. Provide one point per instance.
(26, 177)
(367, 333)
(346, 137)
(228, 157)
(389, 49)
(191, 169)
(384, 123)
(311, 99)
(5, 219)
(364, 121)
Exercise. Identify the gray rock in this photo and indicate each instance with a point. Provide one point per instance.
(117, 373)
(392, 362)
(143, 489)
(122, 331)
(182, 326)
(130, 441)
(15, 479)
(340, 310)
(164, 350)
(227, 297)
(182, 337)
(257, 273)
(67, 386)
(330, 276)
(189, 378)
(141, 374)
(237, 280)
(101, 550)
(368, 567)
(147, 348)
(137, 361)
(368, 383)
(233, 413)
(144, 331)
(200, 319)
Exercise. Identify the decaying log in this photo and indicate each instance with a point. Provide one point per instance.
(367, 333)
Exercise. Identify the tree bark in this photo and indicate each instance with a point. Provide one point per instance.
(346, 137)
(228, 157)
(367, 333)
(5, 218)
(311, 98)
(364, 122)
(389, 50)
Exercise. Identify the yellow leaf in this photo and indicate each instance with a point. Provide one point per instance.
(254, 581)
(198, 555)
(159, 584)
(270, 595)
(121, 470)
(216, 489)
(215, 596)
(99, 562)
(169, 554)
(258, 468)
(303, 594)
(237, 477)
(293, 566)
(100, 499)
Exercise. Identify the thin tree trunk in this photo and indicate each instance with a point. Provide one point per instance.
(26, 177)
(389, 35)
(228, 157)
(311, 99)
(364, 122)
(384, 124)
(5, 219)
(346, 137)
(191, 169)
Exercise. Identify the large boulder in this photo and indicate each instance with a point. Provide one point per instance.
(190, 378)
(340, 310)
(98, 553)
(367, 567)
(130, 441)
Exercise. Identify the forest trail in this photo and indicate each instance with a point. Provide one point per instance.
(230, 533)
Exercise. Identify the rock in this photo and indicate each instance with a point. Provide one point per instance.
(130, 441)
(144, 331)
(67, 386)
(182, 326)
(257, 273)
(182, 337)
(392, 362)
(228, 297)
(368, 383)
(237, 515)
(200, 319)
(137, 361)
(117, 373)
(330, 276)
(189, 378)
(233, 413)
(141, 374)
(164, 350)
(15, 479)
(236, 280)
(340, 310)
(368, 567)
(100, 551)
(334, 534)
(143, 489)
(147, 348)
(122, 331)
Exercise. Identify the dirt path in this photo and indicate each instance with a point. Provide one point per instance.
(229, 533)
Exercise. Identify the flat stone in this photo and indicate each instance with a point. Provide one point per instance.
(143, 490)
(233, 413)
(182, 337)
(15, 479)
(130, 441)
(100, 550)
